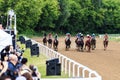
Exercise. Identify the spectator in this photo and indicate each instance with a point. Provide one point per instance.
(24, 66)
(6, 51)
(35, 72)
(13, 66)
(3, 68)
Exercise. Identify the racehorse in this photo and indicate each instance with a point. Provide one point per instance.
(88, 45)
(79, 44)
(105, 43)
(93, 43)
(55, 44)
(67, 43)
(45, 41)
(50, 43)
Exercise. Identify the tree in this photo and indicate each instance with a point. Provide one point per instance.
(50, 13)
(28, 12)
(64, 14)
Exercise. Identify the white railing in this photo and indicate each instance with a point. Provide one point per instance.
(74, 69)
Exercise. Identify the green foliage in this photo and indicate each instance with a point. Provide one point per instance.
(50, 13)
(87, 16)
(28, 12)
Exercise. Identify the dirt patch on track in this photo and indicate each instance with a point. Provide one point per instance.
(106, 63)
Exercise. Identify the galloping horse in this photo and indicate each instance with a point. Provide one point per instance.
(55, 44)
(80, 44)
(67, 43)
(105, 43)
(50, 43)
(93, 43)
(88, 44)
(45, 41)
(50, 40)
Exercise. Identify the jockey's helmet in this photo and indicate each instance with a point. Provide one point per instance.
(93, 34)
(56, 36)
(67, 34)
(88, 36)
(81, 34)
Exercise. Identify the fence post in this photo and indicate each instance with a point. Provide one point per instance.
(62, 64)
(78, 71)
(65, 66)
(73, 70)
(69, 72)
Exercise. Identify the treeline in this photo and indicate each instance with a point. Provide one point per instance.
(86, 16)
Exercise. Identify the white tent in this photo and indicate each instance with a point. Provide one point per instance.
(5, 39)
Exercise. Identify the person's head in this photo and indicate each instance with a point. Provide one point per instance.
(28, 76)
(68, 34)
(6, 58)
(93, 34)
(24, 60)
(13, 58)
(56, 36)
(105, 33)
(81, 34)
(88, 36)
(20, 78)
(9, 48)
(33, 68)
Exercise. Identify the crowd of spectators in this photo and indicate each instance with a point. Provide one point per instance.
(13, 66)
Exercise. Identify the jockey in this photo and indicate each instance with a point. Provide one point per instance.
(49, 36)
(79, 35)
(68, 36)
(82, 37)
(106, 37)
(93, 36)
(56, 36)
(89, 37)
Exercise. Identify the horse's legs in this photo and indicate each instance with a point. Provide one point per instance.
(82, 48)
(45, 44)
(105, 45)
(89, 47)
(55, 47)
(95, 44)
(85, 46)
(49, 45)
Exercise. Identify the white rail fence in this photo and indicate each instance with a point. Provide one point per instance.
(74, 69)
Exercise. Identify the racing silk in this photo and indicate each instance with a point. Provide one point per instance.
(50, 37)
(89, 38)
(93, 37)
(82, 37)
(67, 37)
(106, 37)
